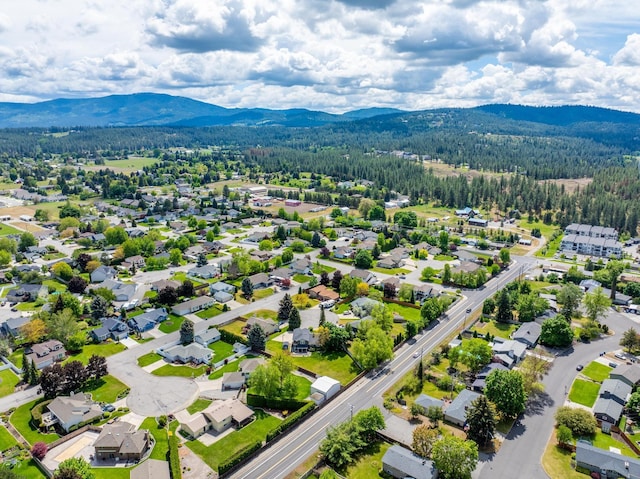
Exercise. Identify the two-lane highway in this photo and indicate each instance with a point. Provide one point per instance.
(286, 453)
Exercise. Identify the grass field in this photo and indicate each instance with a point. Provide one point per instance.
(236, 441)
(101, 349)
(160, 435)
(199, 404)
(7, 441)
(369, 464)
(8, 382)
(390, 270)
(231, 367)
(597, 371)
(496, 329)
(443, 257)
(584, 392)
(208, 313)
(106, 389)
(336, 365)
(147, 359)
(28, 470)
(8, 230)
(221, 350)
(405, 311)
(172, 324)
(557, 462)
(182, 371)
(21, 420)
(125, 166)
(262, 293)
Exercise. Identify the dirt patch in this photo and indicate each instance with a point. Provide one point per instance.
(444, 170)
(25, 226)
(570, 184)
(193, 467)
(16, 211)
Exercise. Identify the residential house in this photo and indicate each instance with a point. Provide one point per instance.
(424, 291)
(11, 327)
(269, 326)
(69, 411)
(362, 307)
(164, 283)
(256, 237)
(193, 305)
(478, 222)
(627, 373)
(302, 266)
(136, 261)
(480, 381)
(392, 283)
(324, 388)
(343, 252)
(282, 273)
(46, 353)
(26, 293)
(528, 334)
(190, 353)
(147, 320)
(219, 416)
(222, 297)
(390, 262)
(605, 463)
(102, 273)
(207, 337)
(207, 271)
(121, 441)
(233, 381)
(260, 280)
(427, 401)
(508, 352)
(612, 397)
(364, 274)
(466, 212)
(151, 469)
(322, 293)
(223, 287)
(248, 366)
(402, 463)
(456, 412)
(302, 341)
(122, 291)
(112, 328)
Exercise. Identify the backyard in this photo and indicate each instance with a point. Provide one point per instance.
(221, 350)
(21, 420)
(500, 330)
(229, 445)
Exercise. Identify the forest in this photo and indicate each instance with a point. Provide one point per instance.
(516, 155)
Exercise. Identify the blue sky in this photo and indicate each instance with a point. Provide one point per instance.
(332, 55)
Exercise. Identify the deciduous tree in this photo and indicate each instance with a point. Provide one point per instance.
(455, 458)
(424, 438)
(596, 303)
(506, 390)
(569, 297)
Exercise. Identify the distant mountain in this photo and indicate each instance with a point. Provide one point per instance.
(151, 109)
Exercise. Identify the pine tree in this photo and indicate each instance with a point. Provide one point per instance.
(26, 370)
(294, 319)
(286, 305)
(33, 380)
(322, 316)
(481, 421)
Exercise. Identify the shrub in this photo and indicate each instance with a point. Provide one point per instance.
(39, 450)
(174, 458)
(579, 421)
(291, 420)
(238, 457)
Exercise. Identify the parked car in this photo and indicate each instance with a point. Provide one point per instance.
(579, 367)
(619, 356)
(108, 408)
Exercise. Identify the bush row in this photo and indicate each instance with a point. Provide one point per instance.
(291, 420)
(231, 338)
(274, 403)
(174, 458)
(238, 457)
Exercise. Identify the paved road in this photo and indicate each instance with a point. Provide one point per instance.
(291, 450)
(528, 439)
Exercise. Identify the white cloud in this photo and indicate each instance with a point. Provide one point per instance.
(326, 54)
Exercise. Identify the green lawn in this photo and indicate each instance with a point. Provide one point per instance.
(56, 285)
(557, 462)
(8, 230)
(112, 472)
(405, 311)
(236, 441)
(172, 324)
(231, 367)
(106, 389)
(369, 464)
(318, 269)
(336, 365)
(8, 382)
(16, 358)
(234, 327)
(605, 441)
(266, 314)
(301, 278)
(597, 371)
(182, 371)
(28, 470)
(584, 392)
(160, 435)
(341, 308)
(101, 349)
(147, 359)
(304, 387)
(443, 257)
(134, 163)
(21, 420)
(390, 270)
(200, 404)
(7, 441)
(209, 313)
(221, 349)
(263, 293)
(28, 306)
(500, 330)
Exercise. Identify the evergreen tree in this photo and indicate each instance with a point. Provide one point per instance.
(247, 288)
(322, 316)
(294, 319)
(257, 338)
(186, 332)
(33, 379)
(286, 305)
(202, 260)
(26, 370)
(481, 421)
(504, 313)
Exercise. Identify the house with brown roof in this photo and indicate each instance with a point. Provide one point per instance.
(268, 325)
(219, 416)
(121, 440)
(323, 293)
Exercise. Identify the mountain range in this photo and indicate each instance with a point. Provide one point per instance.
(151, 109)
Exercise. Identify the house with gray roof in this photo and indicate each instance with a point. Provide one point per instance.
(480, 381)
(402, 463)
(151, 469)
(207, 337)
(427, 401)
(612, 397)
(46, 353)
(111, 328)
(260, 280)
(627, 373)
(148, 319)
(221, 286)
(102, 273)
(69, 411)
(528, 334)
(190, 353)
(456, 412)
(193, 305)
(121, 440)
(11, 327)
(606, 463)
(207, 271)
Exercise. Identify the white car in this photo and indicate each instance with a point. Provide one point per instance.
(416, 354)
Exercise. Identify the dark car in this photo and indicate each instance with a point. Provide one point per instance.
(109, 408)
(579, 367)
(468, 310)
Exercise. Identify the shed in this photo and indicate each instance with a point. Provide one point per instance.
(326, 386)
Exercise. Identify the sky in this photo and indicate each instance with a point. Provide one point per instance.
(331, 55)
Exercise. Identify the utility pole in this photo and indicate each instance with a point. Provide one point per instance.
(351, 409)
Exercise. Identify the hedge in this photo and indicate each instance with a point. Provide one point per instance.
(231, 338)
(274, 403)
(36, 412)
(239, 457)
(291, 420)
(174, 457)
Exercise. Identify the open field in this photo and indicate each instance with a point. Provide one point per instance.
(570, 184)
(126, 166)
